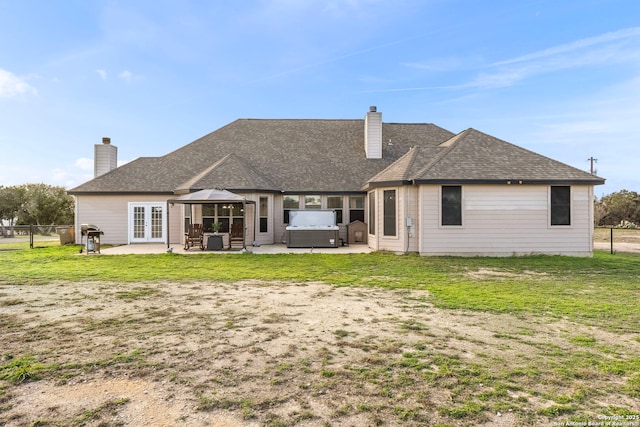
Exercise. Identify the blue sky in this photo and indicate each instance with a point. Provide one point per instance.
(561, 78)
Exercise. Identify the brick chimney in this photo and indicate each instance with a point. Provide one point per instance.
(373, 134)
(105, 157)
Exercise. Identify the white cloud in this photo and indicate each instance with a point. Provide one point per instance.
(67, 179)
(11, 85)
(126, 76)
(605, 49)
(436, 64)
(618, 47)
(102, 74)
(576, 45)
(84, 163)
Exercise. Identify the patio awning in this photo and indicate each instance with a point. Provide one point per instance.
(211, 196)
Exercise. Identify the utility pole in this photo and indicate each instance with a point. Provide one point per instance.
(592, 160)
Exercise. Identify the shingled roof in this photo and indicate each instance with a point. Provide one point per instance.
(475, 157)
(296, 155)
(328, 156)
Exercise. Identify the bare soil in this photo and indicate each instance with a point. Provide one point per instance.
(624, 240)
(277, 354)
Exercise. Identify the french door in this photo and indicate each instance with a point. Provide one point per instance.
(147, 222)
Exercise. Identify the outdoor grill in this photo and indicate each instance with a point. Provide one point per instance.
(93, 234)
(312, 229)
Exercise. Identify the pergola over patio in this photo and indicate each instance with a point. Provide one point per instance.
(214, 196)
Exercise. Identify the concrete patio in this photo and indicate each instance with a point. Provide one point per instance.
(160, 248)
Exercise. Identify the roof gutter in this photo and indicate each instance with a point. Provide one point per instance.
(393, 183)
(514, 181)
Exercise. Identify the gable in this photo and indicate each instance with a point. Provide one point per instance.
(230, 172)
(474, 157)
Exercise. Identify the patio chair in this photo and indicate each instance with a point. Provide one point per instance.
(236, 236)
(195, 235)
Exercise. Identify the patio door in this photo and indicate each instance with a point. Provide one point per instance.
(147, 222)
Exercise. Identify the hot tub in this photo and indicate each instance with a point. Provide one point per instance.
(312, 229)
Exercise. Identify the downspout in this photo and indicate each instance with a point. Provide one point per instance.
(377, 221)
(406, 216)
(76, 219)
(168, 226)
(255, 226)
(244, 224)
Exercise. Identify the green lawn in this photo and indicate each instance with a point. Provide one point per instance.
(558, 337)
(602, 290)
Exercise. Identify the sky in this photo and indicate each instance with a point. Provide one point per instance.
(561, 78)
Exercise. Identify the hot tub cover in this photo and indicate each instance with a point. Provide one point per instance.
(312, 220)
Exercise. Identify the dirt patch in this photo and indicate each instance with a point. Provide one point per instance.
(624, 240)
(486, 273)
(280, 354)
(629, 247)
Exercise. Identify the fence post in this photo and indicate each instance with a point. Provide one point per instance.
(30, 236)
(611, 238)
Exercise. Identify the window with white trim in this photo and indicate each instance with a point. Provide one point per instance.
(356, 208)
(389, 213)
(372, 213)
(451, 205)
(560, 205)
(290, 202)
(264, 214)
(336, 203)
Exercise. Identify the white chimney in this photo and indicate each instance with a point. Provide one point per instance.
(105, 157)
(373, 134)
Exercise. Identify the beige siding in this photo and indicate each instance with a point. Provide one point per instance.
(391, 243)
(278, 220)
(506, 220)
(250, 231)
(111, 214)
(261, 238)
(105, 158)
(373, 135)
(372, 239)
(412, 204)
(406, 207)
(176, 224)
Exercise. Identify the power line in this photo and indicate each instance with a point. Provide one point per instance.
(592, 160)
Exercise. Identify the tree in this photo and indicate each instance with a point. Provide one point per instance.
(46, 205)
(620, 206)
(11, 200)
(599, 212)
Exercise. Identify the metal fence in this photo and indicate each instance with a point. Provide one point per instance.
(617, 239)
(15, 237)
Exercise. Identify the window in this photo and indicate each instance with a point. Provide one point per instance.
(336, 203)
(372, 213)
(312, 202)
(356, 208)
(208, 216)
(224, 215)
(264, 214)
(452, 205)
(561, 205)
(187, 217)
(389, 213)
(290, 202)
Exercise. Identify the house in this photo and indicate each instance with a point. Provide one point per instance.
(418, 187)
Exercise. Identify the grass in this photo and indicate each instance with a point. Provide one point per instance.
(23, 368)
(398, 377)
(599, 291)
